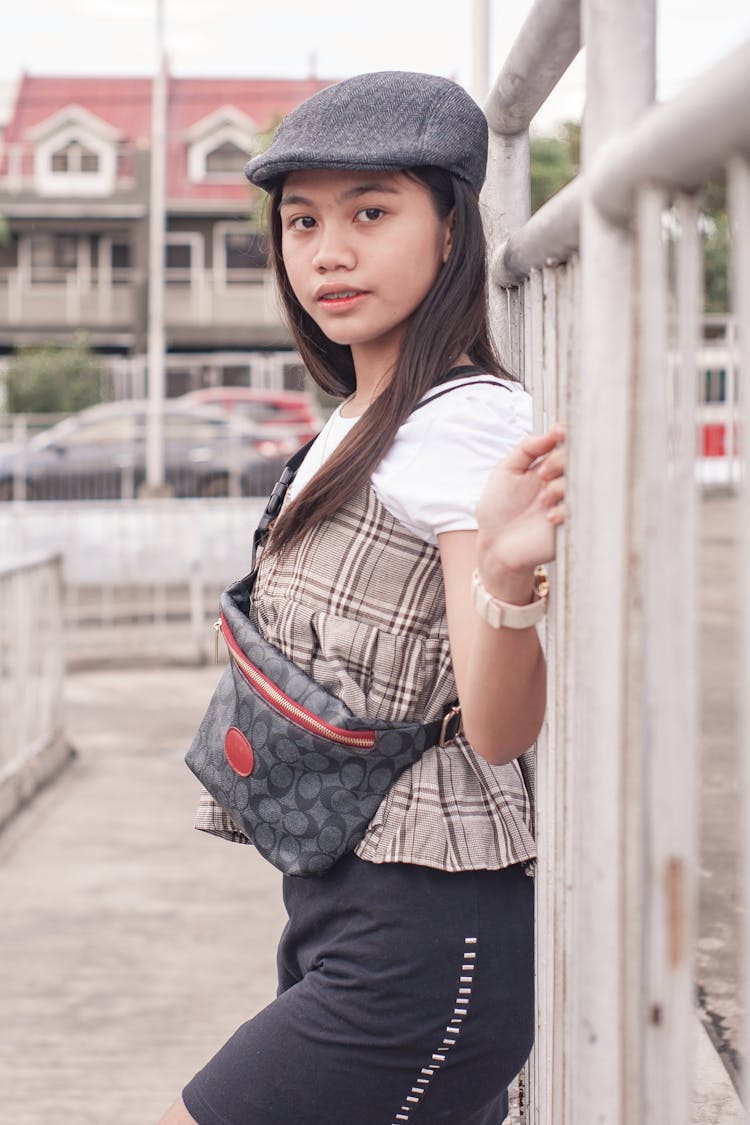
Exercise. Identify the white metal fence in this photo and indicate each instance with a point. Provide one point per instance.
(140, 580)
(124, 377)
(32, 744)
(597, 299)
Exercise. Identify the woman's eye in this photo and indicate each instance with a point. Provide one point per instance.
(302, 222)
(370, 214)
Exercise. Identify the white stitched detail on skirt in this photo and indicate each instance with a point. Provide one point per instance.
(452, 1032)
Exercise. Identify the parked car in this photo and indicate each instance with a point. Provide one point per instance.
(100, 454)
(292, 410)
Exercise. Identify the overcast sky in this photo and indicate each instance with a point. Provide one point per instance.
(288, 38)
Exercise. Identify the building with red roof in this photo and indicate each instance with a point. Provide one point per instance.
(74, 193)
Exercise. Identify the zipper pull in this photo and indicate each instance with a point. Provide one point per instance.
(217, 630)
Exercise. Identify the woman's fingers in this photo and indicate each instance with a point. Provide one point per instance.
(553, 464)
(553, 493)
(522, 504)
(533, 447)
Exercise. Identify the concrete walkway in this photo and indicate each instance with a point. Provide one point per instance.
(134, 946)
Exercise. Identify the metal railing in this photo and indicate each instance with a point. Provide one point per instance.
(124, 377)
(597, 301)
(235, 471)
(139, 581)
(68, 299)
(97, 297)
(95, 457)
(32, 743)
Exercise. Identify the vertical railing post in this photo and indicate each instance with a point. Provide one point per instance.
(604, 1048)
(506, 203)
(548, 42)
(662, 835)
(525, 323)
(739, 216)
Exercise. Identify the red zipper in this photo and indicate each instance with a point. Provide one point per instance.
(362, 740)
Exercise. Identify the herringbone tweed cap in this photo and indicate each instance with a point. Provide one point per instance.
(387, 120)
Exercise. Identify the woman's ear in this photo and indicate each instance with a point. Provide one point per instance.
(448, 235)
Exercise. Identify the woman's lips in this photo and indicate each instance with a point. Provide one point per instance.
(341, 298)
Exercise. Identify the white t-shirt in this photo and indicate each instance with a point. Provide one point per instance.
(433, 474)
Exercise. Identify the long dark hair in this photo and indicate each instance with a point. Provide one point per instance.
(450, 322)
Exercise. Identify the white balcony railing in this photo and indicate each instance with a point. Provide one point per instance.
(67, 297)
(206, 297)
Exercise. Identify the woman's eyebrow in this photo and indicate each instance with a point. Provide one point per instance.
(295, 200)
(365, 189)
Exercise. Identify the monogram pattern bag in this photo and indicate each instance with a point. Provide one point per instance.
(290, 764)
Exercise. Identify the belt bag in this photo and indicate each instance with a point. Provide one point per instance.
(287, 761)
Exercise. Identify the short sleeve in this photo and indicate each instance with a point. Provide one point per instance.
(433, 475)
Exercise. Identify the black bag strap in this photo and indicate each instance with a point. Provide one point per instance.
(461, 373)
(276, 499)
(441, 731)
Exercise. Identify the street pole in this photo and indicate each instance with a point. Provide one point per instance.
(480, 50)
(157, 228)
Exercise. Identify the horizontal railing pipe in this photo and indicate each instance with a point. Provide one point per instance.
(547, 43)
(679, 144)
(548, 238)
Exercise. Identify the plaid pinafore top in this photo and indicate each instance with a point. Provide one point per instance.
(359, 605)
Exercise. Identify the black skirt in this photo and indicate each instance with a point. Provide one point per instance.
(405, 998)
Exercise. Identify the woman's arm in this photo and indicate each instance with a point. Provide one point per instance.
(500, 673)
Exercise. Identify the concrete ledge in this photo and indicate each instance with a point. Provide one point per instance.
(715, 1100)
(26, 776)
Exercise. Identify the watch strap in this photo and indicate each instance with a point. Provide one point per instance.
(504, 615)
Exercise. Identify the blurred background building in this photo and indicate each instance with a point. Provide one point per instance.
(74, 195)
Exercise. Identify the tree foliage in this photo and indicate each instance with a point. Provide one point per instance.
(555, 161)
(716, 245)
(53, 379)
(259, 199)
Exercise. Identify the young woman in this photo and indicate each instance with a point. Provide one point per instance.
(400, 574)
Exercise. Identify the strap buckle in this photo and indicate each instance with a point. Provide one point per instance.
(452, 725)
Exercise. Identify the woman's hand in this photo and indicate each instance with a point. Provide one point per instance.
(519, 511)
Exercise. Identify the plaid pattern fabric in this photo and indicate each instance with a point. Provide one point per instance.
(359, 604)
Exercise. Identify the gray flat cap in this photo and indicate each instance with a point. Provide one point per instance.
(385, 121)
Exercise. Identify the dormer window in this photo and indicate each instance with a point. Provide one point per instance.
(228, 159)
(76, 153)
(75, 158)
(220, 145)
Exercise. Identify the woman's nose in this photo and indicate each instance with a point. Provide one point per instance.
(333, 250)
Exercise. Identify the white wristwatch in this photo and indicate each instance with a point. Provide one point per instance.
(503, 615)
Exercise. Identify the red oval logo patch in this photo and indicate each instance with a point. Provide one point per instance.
(239, 752)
